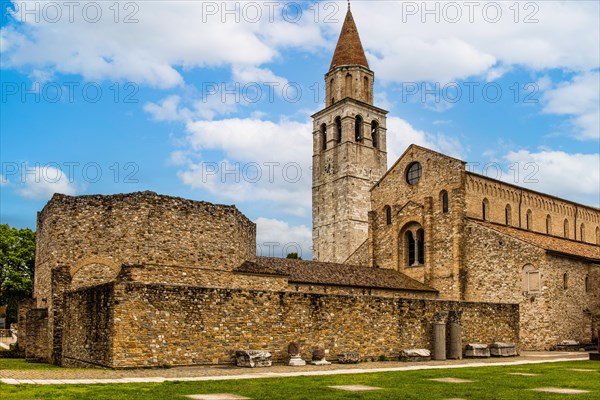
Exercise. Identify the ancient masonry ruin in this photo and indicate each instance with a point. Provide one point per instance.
(149, 280)
(143, 280)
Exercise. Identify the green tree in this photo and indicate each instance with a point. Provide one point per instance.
(293, 256)
(17, 259)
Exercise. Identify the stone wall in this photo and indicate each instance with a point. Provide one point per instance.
(25, 306)
(37, 343)
(154, 325)
(420, 205)
(104, 232)
(494, 272)
(548, 213)
(88, 327)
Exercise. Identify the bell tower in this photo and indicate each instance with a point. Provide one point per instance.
(349, 151)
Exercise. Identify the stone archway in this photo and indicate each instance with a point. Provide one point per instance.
(93, 271)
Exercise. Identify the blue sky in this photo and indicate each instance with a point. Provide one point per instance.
(213, 102)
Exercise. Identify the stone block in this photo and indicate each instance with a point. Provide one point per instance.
(296, 361)
(476, 350)
(318, 357)
(499, 349)
(349, 357)
(253, 358)
(415, 355)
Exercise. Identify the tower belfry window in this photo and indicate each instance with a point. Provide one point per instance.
(338, 129)
(358, 128)
(375, 133)
(324, 136)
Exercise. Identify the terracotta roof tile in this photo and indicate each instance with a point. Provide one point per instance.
(301, 271)
(349, 50)
(547, 242)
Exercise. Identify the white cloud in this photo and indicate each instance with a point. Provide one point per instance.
(251, 169)
(401, 134)
(164, 36)
(169, 36)
(570, 176)
(277, 238)
(41, 182)
(565, 36)
(579, 98)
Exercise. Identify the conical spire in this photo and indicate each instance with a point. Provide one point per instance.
(349, 49)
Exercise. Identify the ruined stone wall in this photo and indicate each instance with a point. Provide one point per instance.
(420, 205)
(95, 234)
(210, 278)
(37, 343)
(494, 272)
(88, 327)
(543, 208)
(356, 291)
(177, 325)
(25, 306)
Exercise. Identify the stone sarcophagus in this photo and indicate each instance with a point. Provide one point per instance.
(499, 349)
(253, 358)
(477, 350)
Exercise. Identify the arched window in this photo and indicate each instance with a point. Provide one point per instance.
(348, 85)
(331, 90)
(366, 88)
(566, 228)
(529, 220)
(412, 249)
(410, 242)
(588, 286)
(444, 201)
(358, 128)
(375, 133)
(582, 232)
(388, 215)
(598, 236)
(507, 215)
(421, 246)
(338, 129)
(485, 209)
(531, 279)
(324, 136)
(565, 281)
(548, 224)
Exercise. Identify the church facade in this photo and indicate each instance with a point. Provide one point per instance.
(141, 279)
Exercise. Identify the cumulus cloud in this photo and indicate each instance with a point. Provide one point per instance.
(275, 238)
(250, 170)
(580, 99)
(41, 182)
(539, 37)
(148, 42)
(571, 176)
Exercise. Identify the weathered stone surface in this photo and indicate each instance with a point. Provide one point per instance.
(475, 350)
(318, 354)
(253, 358)
(348, 357)
(415, 355)
(499, 349)
(293, 349)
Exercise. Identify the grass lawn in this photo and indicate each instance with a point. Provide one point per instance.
(491, 383)
(21, 364)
